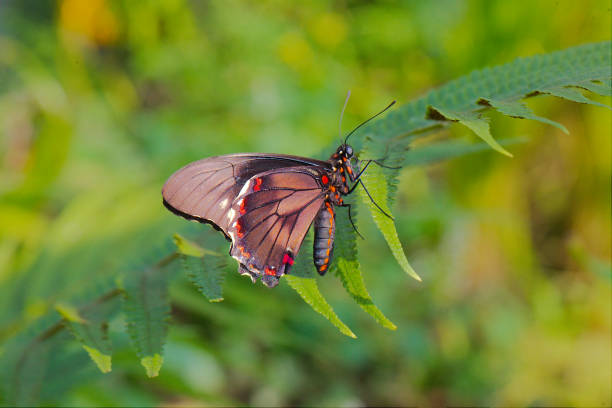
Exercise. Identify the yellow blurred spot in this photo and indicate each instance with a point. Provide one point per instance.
(92, 19)
(294, 51)
(329, 29)
(152, 364)
(69, 312)
(103, 361)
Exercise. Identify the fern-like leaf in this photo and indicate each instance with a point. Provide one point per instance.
(147, 310)
(560, 74)
(308, 289)
(302, 279)
(207, 274)
(90, 328)
(374, 179)
(347, 268)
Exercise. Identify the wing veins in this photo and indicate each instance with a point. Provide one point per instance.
(202, 182)
(275, 239)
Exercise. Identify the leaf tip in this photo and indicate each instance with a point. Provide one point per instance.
(187, 247)
(152, 364)
(102, 360)
(69, 313)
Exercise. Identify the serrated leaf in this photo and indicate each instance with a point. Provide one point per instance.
(91, 327)
(147, 310)
(302, 280)
(303, 266)
(103, 361)
(375, 182)
(577, 66)
(472, 121)
(449, 149)
(152, 364)
(601, 87)
(390, 137)
(517, 109)
(309, 291)
(207, 274)
(346, 266)
(571, 94)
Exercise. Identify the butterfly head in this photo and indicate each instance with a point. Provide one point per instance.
(344, 150)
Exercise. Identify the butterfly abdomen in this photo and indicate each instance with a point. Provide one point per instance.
(324, 229)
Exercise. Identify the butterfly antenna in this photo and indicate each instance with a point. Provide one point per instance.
(363, 123)
(348, 95)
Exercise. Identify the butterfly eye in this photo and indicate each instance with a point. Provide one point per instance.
(349, 151)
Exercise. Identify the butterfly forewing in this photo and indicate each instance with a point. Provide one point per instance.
(206, 189)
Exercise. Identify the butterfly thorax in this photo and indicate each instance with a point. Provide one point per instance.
(342, 173)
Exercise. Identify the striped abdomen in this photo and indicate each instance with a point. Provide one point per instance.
(324, 225)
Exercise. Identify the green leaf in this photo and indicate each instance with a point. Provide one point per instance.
(449, 149)
(516, 109)
(471, 120)
(207, 274)
(309, 291)
(601, 87)
(147, 310)
(88, 323)
(375, 181)
(187, 247)
(346, 266)
(571, 94)
(152, 364)
(516, 80)
(103, 361)
(303, 280)
(190, 248)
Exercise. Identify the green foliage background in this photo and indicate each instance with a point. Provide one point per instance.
(101, 100)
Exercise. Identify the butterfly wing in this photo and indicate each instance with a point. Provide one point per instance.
(206, 189)
(270, 218)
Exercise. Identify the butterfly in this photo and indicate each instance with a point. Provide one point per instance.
(265, 203)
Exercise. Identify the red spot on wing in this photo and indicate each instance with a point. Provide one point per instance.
(239, 229)
(325, 179)
(257, 185)
(245, 254)
(242, 209)
(269, 271)
(287, 259)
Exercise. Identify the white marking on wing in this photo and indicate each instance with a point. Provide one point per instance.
(245, 188)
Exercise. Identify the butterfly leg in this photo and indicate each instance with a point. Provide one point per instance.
(351, 218)
(369, 195)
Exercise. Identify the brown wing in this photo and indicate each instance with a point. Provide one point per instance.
(206, 189)
(270, 217)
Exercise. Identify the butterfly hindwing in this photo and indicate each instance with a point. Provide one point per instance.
(270, 217)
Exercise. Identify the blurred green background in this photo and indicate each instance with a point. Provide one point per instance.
(100, 101)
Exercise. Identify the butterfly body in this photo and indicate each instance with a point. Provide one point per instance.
(264, 204)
